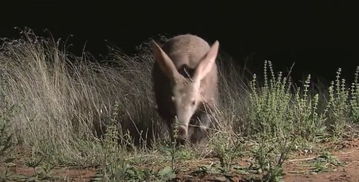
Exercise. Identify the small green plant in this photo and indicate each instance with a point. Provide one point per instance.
(166, 174)
(176, 150)
(115, 165)
(270, 104)
(337, 106)
(119, 164)
(269, 156)
(308, 121)
(35, 161)
(324, 162)
(43, 172)
(227, 147)
(42, 167)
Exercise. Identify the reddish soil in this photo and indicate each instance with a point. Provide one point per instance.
(57, 174)
(347, 154)
(296, 169)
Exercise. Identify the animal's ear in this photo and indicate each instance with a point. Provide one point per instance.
(207, 62)
(165, 62)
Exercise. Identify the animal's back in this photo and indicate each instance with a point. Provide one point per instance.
(186, 51)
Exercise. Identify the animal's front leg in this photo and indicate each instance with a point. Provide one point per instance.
(199, 130)
(176, 134)
(169, 124)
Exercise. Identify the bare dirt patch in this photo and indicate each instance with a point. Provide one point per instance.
(21, 173)
(347, 153)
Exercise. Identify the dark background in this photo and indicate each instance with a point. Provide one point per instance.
(318, 36)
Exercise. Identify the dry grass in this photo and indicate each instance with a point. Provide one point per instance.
(61, 99)
(64, 104)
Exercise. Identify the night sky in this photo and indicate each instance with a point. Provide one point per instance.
(318, 36)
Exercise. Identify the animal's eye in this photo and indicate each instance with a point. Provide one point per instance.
(173, 98)
(193, 102)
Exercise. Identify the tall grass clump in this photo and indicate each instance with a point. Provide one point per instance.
(233, 99)
(342, 105)
(354, 97)
(35, 80)
(136, 106)
(65, 101)
(6, 136)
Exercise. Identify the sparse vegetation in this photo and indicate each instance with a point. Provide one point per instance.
(324, 162)
(78, 111)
